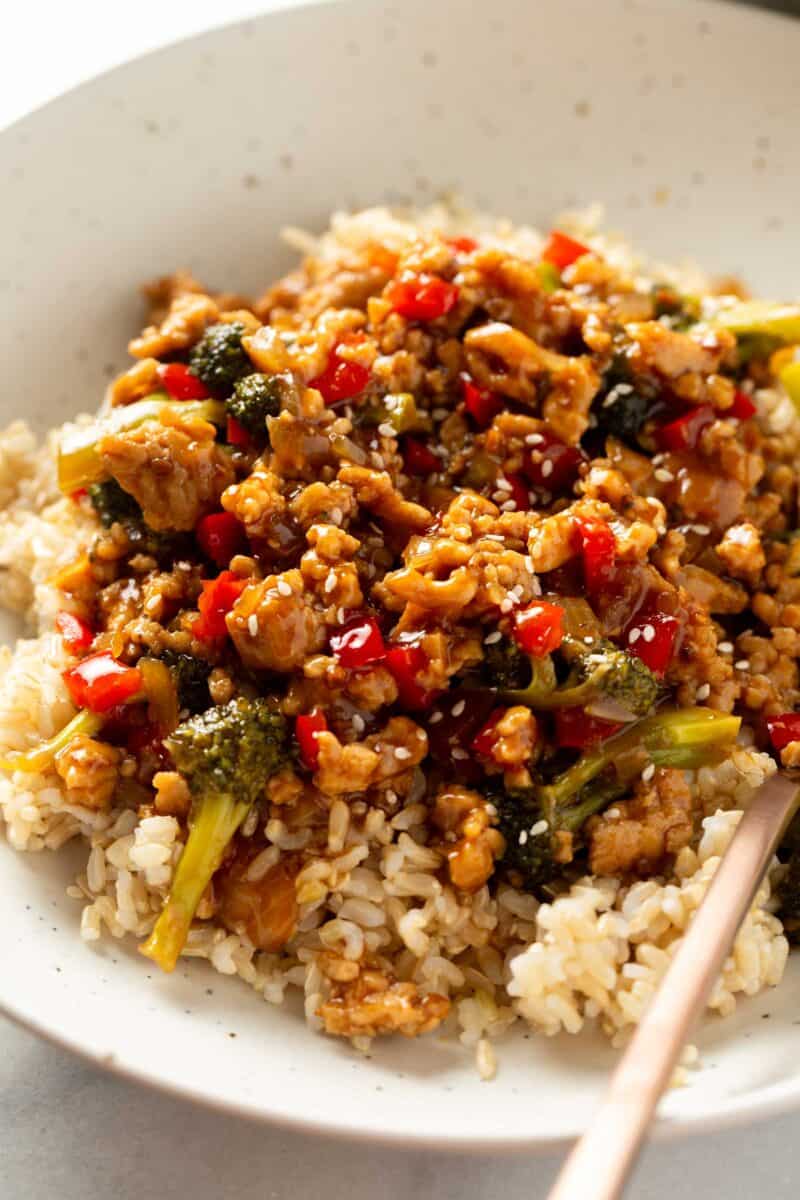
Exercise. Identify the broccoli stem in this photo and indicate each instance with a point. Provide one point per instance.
(685, 738)
(761, 318)
(41, 757)
(79, 461)
(215, 820)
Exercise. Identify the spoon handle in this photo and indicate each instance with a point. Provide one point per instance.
(599, 1165)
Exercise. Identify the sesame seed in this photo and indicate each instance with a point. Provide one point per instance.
(536, 586)
(663, 475)
(648, 772)
(704, 691)
(529, 563)
(336, 516)
(440, 414)
(492, 637)
(523, 837)
(634, 636)
(509, 506)
(401, 752)
(252, 625)
(359, 724)
(341, 615)
(742, 665)
(458, 753)
(517, 591)
(421, 734)
(533, 439)
(547, 468)
(330, 582)
(391, 795)
(701, 530)
(502, 484)
(385, 429)
(506, 605)
(589, 641)
(613, 813)
(539, 828)
(435, 717)
(490, 809)
(648, 633)
(725, 647)
(458, 708)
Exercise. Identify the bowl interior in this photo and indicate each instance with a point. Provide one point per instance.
(197, 156)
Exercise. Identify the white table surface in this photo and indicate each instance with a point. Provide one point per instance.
(70, 1133)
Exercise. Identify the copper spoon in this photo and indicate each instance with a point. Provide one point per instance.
(600, 1163)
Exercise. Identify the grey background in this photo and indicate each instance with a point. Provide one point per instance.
(68, 1132)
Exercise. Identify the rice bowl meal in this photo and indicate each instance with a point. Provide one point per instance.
(414, 634)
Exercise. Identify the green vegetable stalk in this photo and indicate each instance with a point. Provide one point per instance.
(761, 318)
(41, 757)
(79, 460)
(226, 756)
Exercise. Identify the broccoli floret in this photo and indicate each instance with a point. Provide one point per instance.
(255, 397)
(113, 504)
(504, 665)
(226, 755)
(219, 358)
(600, 672)
(191, 679)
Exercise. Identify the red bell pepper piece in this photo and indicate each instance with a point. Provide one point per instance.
(359, 642)
(462, 244)
(216, 601)
(100, 682)
(307, 728)
(406, 663)
(742, 408)
(220, 536)
(651, 637)
(552, 465)
(179, 382)
(576, 729)
(684, 432)
(599, 551)
(784, 729)
(487, 736)
(481, 404)
(561, 250)
(418, 459)
(236, 434)
(422, 297)
(341, 379)
(539, 628)
(77, 634)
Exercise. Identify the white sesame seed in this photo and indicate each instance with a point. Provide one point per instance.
(506, 605)
(517, 591)
(704, 691)
(458, 753)
(589, 641)
(341, 615)
(336, 516)
(492, 637)
(533, 439)
(509, 506)
(523, 837)
(330, 582)
(701, 530)
(458, 708)
(536, 586)
(284, 588)
(252, 625)
(725, 647)
(634, 636)
(648, 633)
(648, 772)
(663, 475)
(386, 430)
(435, 717)
(502, 484)
(547, 468)
(490, 809)
(613, 813)
(528, 563)
(421, 734)
(539, 828)
(359, 723)
(742, 665)
(391, 795)
(401, 752)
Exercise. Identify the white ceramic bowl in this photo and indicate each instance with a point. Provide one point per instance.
(681, 118)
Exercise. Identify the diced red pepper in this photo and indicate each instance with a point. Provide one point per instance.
(742, 408)
(359, 642)
(341, 380)
(576, 729)
(220, 536)
(78, 495)
(179, 382)
(651, 637)
(77, 634)
(418, 459)
(216, 601)
(406, 663)
(561, 250)
(539, 628)
(552, 465)
(481, 404)
(463, 244)
(683, 433)
(422, 297)
(599, 551)
(487, 736)
(307, 728)
(100, 682)
(784, 729)
(236, 434)
(518, 493)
